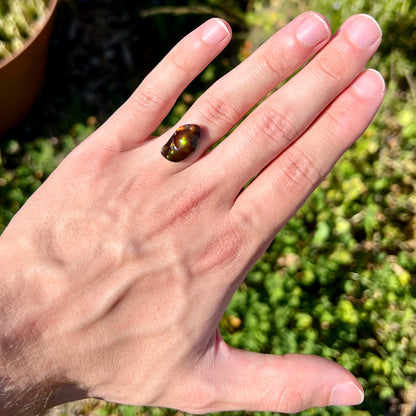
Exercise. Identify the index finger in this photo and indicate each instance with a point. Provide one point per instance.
(140, 115)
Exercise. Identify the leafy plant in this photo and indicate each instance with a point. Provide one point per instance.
(19, 19)
(339, 280)
(23, 167)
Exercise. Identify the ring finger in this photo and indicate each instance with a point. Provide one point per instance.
(285, 115)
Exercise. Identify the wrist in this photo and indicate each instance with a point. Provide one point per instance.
(15, 382)
(28, 381)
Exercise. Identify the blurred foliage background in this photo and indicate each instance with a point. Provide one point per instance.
(339, 279)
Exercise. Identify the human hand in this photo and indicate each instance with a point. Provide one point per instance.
(120, 267)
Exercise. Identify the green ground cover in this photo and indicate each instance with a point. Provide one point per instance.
(339, 279)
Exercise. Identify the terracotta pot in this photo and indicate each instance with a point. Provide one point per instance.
(22, 75)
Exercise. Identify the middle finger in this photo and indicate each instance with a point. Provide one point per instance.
(230, 98)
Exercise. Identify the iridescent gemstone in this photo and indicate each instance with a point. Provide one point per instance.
(182, 143)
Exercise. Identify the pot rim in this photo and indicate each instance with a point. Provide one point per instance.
(51, 9)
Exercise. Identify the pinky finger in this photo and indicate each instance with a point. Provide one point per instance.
(139, 116)
(278, 192)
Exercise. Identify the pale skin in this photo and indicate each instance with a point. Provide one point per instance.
(116, 272)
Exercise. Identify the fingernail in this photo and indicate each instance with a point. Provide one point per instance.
(313, 30)
(364, 31)
(370, 83)
(346, 394)
(215, 31)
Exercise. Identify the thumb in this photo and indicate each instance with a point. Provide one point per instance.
(289, 383)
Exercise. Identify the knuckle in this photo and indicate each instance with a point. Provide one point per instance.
(299, 173)
(290, 400)
(219, 110)
(336, 125)
(189, 202)
(150, 99)
(274, 129)
(267, 64)
(226, 247)
(181, 63)
(339, 122)
(331, 68)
